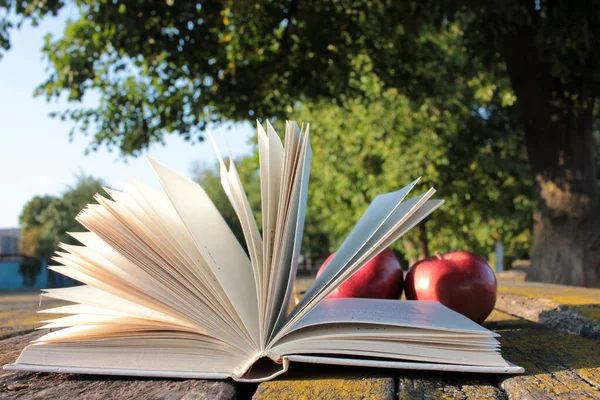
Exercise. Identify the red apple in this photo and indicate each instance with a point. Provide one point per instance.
(462, 281)
(380, 278)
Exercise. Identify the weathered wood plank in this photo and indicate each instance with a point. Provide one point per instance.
(18, 312)
(559, 294)
(435, 385)
(432, 385)
(304, 381)
(557, 364)
(569, 309)
(28, 385)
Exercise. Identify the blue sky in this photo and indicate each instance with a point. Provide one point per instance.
(36, 156)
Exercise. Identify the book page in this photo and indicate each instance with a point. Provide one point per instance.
(131, 262)
(423, 331)
(160, 227)
(232, 185)
(391, 329)
(292, 149)
(132, 353)
(390, 232)
(217, 244)
(113, 294)
(430, 315)
(263, 158)
(135, 236)
(363, 330)
(195, 276)
(389, 349)
(275, 173)
(292, 152)
(91, 296)
(83, 309)
(241, 205)
(271, 154)
(207, 322)
(100, 265)
(376, 214)
(510, 368)
(156, 205)
(290, 252)
(384, 208)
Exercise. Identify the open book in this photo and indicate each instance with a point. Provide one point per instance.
(169, 291)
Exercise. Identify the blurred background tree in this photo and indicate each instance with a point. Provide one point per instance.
(367, 146)
(33, 240)
(172, 66)
(46, 220)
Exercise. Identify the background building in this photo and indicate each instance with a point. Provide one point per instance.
(20, 271)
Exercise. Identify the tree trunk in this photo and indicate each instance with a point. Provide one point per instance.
(409, 250)
(420, 250)
(423, 242)
(560, 147)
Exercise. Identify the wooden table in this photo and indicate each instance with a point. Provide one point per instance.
(533, 320)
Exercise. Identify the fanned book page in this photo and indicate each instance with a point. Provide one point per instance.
(168, 291)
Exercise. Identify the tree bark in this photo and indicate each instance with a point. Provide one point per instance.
(560, 147)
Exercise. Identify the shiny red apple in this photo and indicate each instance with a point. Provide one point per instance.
(380, 278)
(462, 281)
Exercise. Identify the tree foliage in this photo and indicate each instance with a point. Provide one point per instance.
(172, 66)
(175, 66)
(31, 215)
(45, 220)
(365, 147)
(33, 241)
